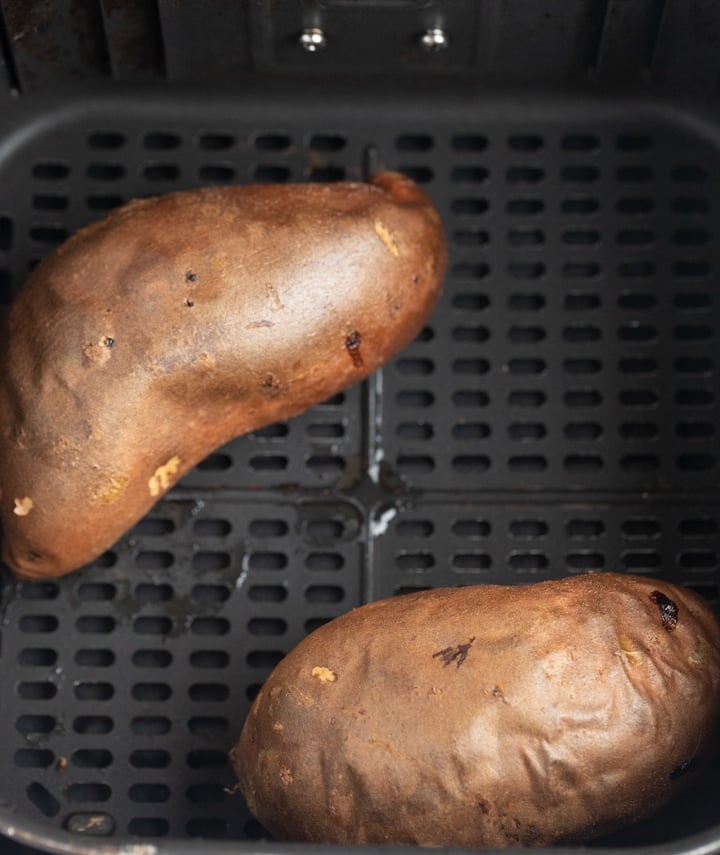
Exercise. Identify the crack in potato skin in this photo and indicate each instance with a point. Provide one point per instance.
(162, 477)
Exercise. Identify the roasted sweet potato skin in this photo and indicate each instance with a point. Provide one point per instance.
(177, 323)
(487, 716)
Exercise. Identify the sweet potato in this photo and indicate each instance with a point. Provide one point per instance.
(487, 716)
(177, 323)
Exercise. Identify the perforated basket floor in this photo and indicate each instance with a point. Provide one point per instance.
(558, 414)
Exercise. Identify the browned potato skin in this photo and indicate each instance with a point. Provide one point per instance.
(177, 323)
(485, 716)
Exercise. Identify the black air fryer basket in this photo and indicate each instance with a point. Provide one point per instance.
(558, 414)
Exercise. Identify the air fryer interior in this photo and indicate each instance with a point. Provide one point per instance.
(558, 414)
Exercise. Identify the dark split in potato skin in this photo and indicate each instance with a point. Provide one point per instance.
(177, 323)
(487, 716)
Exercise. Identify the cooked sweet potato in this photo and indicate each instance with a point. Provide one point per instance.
(487, 716)
(154, 336)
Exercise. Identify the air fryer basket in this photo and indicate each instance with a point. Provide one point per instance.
(558, 414)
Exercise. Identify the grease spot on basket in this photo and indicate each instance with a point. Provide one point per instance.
(95, 824)
(160, 481)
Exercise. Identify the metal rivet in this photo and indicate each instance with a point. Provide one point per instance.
(313, 39)
(435, 39)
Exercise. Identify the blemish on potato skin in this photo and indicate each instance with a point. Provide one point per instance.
(17, 437)
(301, 698)
(352, 345)
(99, 351)
(628, 651)
(387, 747)
(457, 653)
(387, 237)
(271, 385)
(258, 325)
(275, 302)
(115, 488)
(160, 480)
(498, 692)
(23, 506)
(323, 674)
(286, 775)
(700, 653)
(668, 610)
